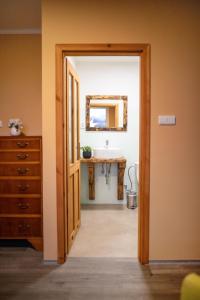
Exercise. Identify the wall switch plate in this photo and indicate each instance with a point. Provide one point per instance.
(1, 123)
(167, 120)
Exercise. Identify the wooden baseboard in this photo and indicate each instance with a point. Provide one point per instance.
(175, 262)
(50, 262)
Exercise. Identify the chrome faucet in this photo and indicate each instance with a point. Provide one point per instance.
(107, 143)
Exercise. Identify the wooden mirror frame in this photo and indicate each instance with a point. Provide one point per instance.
(107, 97)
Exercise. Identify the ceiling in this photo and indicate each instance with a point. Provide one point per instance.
(20, 16)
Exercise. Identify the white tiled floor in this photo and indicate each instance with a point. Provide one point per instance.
(107, 233)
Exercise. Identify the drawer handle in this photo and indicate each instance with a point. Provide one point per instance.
(23, 171)
(22, 144)
(22, 156)
(23, 205)
(24, 227)
(23, 188)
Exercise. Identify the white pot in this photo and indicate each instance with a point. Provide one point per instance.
(14, 131)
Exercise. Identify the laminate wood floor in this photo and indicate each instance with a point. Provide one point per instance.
(23, 275)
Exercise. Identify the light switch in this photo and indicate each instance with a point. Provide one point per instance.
(167, 120)
(1, 124)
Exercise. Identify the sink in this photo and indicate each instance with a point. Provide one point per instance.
(106, 152)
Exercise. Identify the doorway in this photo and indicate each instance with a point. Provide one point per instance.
(63, 174)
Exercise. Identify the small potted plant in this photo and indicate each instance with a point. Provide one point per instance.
(15, 126)
(87, 151)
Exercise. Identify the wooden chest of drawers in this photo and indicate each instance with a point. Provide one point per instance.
(21, 189)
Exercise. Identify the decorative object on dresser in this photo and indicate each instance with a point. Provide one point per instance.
(15, 126)
(21, 189)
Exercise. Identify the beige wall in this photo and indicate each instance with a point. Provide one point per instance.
(20, 82)
(20, 14)
(171, 27)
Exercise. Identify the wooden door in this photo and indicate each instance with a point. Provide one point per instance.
(73, 155)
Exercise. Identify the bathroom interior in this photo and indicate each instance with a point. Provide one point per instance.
(109, 125)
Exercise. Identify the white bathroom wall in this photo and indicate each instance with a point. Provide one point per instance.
(109, 78)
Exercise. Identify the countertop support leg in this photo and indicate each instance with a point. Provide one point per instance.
(120, 187)
(91, 180)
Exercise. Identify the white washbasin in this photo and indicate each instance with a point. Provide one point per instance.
(106, 152)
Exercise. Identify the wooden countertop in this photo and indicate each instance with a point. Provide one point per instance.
(95, 160)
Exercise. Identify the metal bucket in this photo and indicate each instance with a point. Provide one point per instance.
(131, 200)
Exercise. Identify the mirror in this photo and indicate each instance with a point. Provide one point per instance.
(106, 113)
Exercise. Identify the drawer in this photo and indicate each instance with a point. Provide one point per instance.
(19, 143)
(19, 156)
(20, 169)
(20, 227)
(20, 206)
(20, 186)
